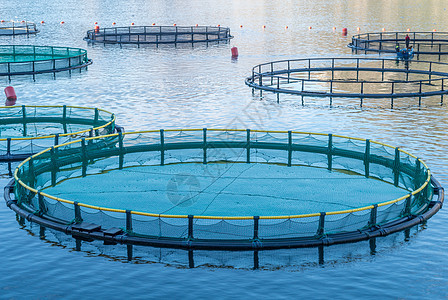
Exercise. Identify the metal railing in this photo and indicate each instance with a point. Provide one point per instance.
(159, 34)
(31, 60)
(428, 43)
(255, 229)
(296, 77)
(17, 28)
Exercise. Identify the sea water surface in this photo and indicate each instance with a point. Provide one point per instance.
(201, 86)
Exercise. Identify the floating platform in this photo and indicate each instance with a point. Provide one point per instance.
(26, 130)
(31, 60)
(157, 35)
(361, 78)
(13, 28)
(225, 189)
(428, 43)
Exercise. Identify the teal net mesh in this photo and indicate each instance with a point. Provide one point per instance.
(230, 182)
(31, 129)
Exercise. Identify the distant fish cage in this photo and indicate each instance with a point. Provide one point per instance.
(31, 60)
(12, 28)
(156, 35)
(351, 78)
(429, 43)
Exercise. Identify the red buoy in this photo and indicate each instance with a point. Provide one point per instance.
(234, 52)
(10, 93)
(97, 28)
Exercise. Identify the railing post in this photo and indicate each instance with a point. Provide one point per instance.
(248, 146)
(373, 216)
(78, 217)
(121, 151)
(407, 207)
(162, 146)
(256, 226)
(321, 228)
(367, 159)
(190, 226)
(396, 168)
(289, 148)
(84, 157)
(330, 151)
(42, 207)
(204, 146)
(128, 221)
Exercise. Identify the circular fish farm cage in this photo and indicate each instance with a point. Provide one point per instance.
(224, 189)
(361, 78)
(430, 43)
(158, 35)
(12, 28)
(32, 60)
(26, 130)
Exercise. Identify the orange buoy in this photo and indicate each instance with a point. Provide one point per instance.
(174, 24)
(434, 30)
(42, 22)
(241, 26)
(197, 25)
(10, 93)
(153, 24)
(95, 23)
(334, 28)
(408, 30)
(219, 25)
(62, 22)
(22, 21)
(3, 21)
(286, 27)
(384, 29)
(234, 52)
(132, 24)
(97, 28)
(344, 31)
(264, 26)
(309, 27)
(358, 28)
(114, 23)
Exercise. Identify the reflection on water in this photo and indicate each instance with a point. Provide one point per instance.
(196, 87)
(287, 259)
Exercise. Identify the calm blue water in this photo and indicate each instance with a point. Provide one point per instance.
(180, 87)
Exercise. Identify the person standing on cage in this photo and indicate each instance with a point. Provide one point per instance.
(407, 39)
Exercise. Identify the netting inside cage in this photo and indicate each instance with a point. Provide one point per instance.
(29, 59)
(221, 184)
(25, 130)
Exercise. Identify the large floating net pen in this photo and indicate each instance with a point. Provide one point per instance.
(430, 43)
(12, 28)
(26, 130)
(158, 35)
(32, 60)
(225, 189)
(361, 78)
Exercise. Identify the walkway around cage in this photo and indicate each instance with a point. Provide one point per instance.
(13, 28)
(372, 159)
(423, 43)
(157, 35)
(332, 77)
(31, 60)
(21, 136)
